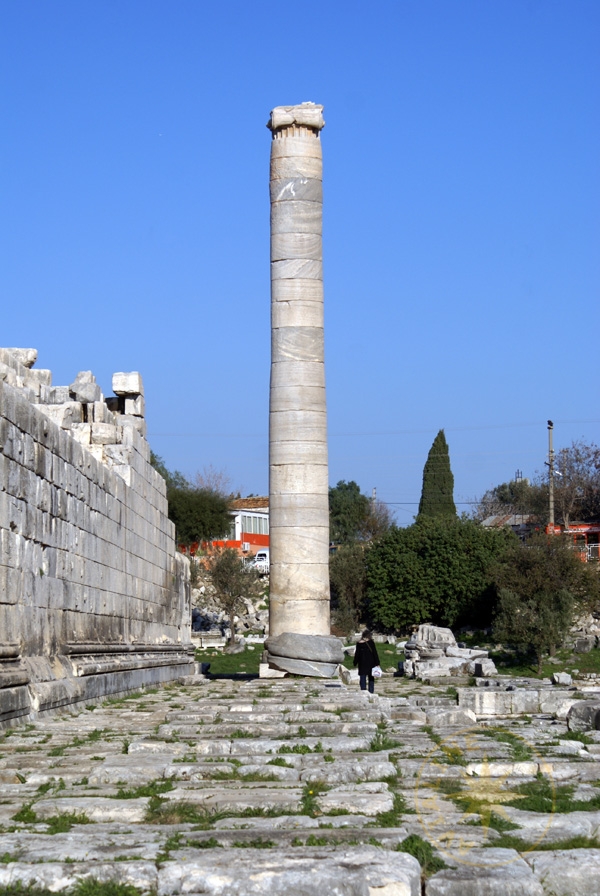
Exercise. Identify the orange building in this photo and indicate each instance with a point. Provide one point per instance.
(585, 538)
(249, 527)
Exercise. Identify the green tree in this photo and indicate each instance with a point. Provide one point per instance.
(347, 576)
(232, 581)
(517, 497)
(437, 570)
(576, 490)
(540, 583)
(349, 510)
(199, 514)
(173, 479)
(437, 498)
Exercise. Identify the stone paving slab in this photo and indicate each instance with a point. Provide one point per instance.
(486, 872)
(349, 771)
(566, 873)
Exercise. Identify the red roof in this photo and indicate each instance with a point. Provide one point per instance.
(254, 503)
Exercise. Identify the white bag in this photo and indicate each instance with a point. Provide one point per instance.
(376, 671)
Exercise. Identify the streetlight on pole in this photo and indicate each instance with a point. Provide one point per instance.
(550, 465)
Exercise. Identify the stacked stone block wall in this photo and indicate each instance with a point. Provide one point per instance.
(92, 589)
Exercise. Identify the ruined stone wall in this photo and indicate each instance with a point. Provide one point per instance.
(94, 598)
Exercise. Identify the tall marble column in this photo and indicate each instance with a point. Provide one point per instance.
(298, 474)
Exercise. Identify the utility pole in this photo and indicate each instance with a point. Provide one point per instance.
(550, 465)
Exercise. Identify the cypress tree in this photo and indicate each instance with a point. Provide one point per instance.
(438, 482)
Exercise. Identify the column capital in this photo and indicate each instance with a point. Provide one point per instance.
(290, 120)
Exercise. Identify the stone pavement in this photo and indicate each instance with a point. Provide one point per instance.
(301, 786)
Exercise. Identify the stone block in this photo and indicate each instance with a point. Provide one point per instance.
(348, 676)
(282, 872)
(566, 872)
(295, 188)
(127, 384)
(135, 406)
(265, 671)
(26, 357)
(485, 702)
(105, 434)
(447, 716)
(486, 872)
(97, 809)
(562, 678)
(320, 648)
(485, 668)
(557, 703)
(524, 701)
(310, 668)
(296, 247)
(584, 715)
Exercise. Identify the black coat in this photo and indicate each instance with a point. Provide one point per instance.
(365, 657)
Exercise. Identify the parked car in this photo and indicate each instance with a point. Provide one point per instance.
(261, 562)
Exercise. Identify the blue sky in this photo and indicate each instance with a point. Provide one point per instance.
(461, 221)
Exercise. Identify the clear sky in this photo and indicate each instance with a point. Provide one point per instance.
(461, 221)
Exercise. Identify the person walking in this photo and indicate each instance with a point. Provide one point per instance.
(365, 657)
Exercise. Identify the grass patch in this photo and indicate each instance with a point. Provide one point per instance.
(153, 789)
(303, 749)
(62, 824)
(392, 818)
(91, 887)
(508, 841)
(579, 736)
(258, 843)
(423, 852)
(280, 761)
(161, 812)
(25, 815)
(381, 741)
(542, 796)
(520, 751)
(173, 841)
(245, 663)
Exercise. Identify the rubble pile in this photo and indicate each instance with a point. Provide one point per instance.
(432, 652)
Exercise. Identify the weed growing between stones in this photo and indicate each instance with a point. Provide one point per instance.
(310, 793)
(161, 812)
(258, 843)
(298, 748)
(423, 852)
(521, 751)
(62, 824)
(451, 755)
(152, 789)
(579, 736)
(280, 761)
(382, 742)
(237, 776)
(542, 796)
(211, 843)
(92, 887)
(25, 815)
(313, 840)
(86, 887)
(172, 843)
(508, 841)
(392, 818)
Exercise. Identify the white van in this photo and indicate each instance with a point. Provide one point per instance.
(261, 562)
